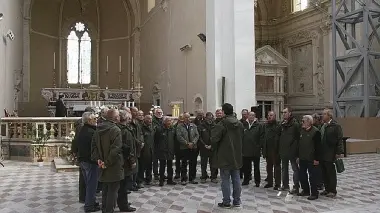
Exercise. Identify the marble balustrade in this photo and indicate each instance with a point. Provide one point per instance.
(16, 136)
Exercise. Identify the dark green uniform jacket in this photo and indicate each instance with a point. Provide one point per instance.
(253, 139)
(107, 146)
(205, 138)
(227, 143)
(332, 142)
(137, 132)
(147, 151)
(129, 149)
(164, 139)
(272, 133)
(309, 144)
(290, 135)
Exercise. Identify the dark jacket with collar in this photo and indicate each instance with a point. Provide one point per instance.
(253, 139)
(205, 138)
(137, 132)
(332, 141)
(84, 140)
(147, 151)
(226, 144)
(272, 133)
(129, 149)
(107, 146)
(290, 135)
(309, 148)
(164, 139)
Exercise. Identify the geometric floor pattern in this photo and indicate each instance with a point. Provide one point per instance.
(26, 188)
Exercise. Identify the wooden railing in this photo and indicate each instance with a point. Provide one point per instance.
(16, 136)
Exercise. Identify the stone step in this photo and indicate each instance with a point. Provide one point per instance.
(62, 165)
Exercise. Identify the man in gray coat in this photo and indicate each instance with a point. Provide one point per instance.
(107, 152)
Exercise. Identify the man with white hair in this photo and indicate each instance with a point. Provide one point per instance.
(332, 149)
(89, 167)
(309, 149)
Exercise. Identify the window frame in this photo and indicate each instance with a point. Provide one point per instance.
(87, 30)
(298, 7)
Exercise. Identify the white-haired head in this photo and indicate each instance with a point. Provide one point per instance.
(89, 118)
(125, 116)
(307, 121)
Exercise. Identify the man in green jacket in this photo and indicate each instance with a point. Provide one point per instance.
(332, 149)
(252, 144)
(308, 157)
(272, 132)
(290, 135)
(226, 143)
(107, 152)
(147, 153)
(187, 137)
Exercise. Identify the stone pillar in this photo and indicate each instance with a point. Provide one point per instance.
(230, 51)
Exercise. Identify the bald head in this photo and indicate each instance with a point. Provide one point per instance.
(271, 116)
(113, 115)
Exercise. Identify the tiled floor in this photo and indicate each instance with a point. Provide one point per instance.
(28, 189)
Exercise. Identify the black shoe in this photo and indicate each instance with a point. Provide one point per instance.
(277, 188)
(128, 209)
(304, 193)
(320, 187)
(183, 183)
(161, 183)
(312, 197)
(134, 189)
(128, 192)
(266, 179)
(268, 186)
(81, 201)
(285, 188)
(224, 205)
(257, 184)
(156, 177)
(245, 183)
(324, 193)
(176, 177)
(193, 182)
(170, 182)
(93, 209)
(236, 205)
(148, 183)
(140, 186)
(294, 191)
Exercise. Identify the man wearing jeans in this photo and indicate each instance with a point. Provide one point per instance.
(226, 143)
(290, 135)
(89, 168)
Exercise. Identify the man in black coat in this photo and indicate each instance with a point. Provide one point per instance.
(89, 168)
(74, 149)
(332, 149)
(204, 142)
(147, 152)
(60, 108)
(164, 139)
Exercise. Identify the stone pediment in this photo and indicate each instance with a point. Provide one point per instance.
(266, 55)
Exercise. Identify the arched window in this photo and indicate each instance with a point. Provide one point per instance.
(299, 5)
(79, 55)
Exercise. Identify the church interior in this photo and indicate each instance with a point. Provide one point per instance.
(154, 53)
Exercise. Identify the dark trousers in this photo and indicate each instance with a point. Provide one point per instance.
(168, 164)
(274, 163)
(214, 171)
(247, 169)
(145, 168)
(177, 165)
(310, 182)
(82, 187)
(109, 196)
(91, 174)
(122, 198)
(189, 157)
(155, 168)
(329, 176)
(319, 176)
(285, 173)
(129, 181)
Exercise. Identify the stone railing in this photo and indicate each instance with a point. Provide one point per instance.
(16, 136)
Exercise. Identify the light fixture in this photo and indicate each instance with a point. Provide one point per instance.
(1, 16)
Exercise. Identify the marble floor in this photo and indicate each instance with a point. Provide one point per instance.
(26, 188)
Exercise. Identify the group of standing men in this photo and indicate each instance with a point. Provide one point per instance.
(125, 147)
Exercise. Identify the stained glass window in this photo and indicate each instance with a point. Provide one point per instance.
(79, 55)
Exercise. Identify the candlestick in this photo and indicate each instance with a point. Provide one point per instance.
(107, 64)
(132, 75)
(119, 63)
(54, 60)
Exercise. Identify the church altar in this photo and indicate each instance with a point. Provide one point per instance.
(76, 99)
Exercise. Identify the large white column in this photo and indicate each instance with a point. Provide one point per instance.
(230, 53)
